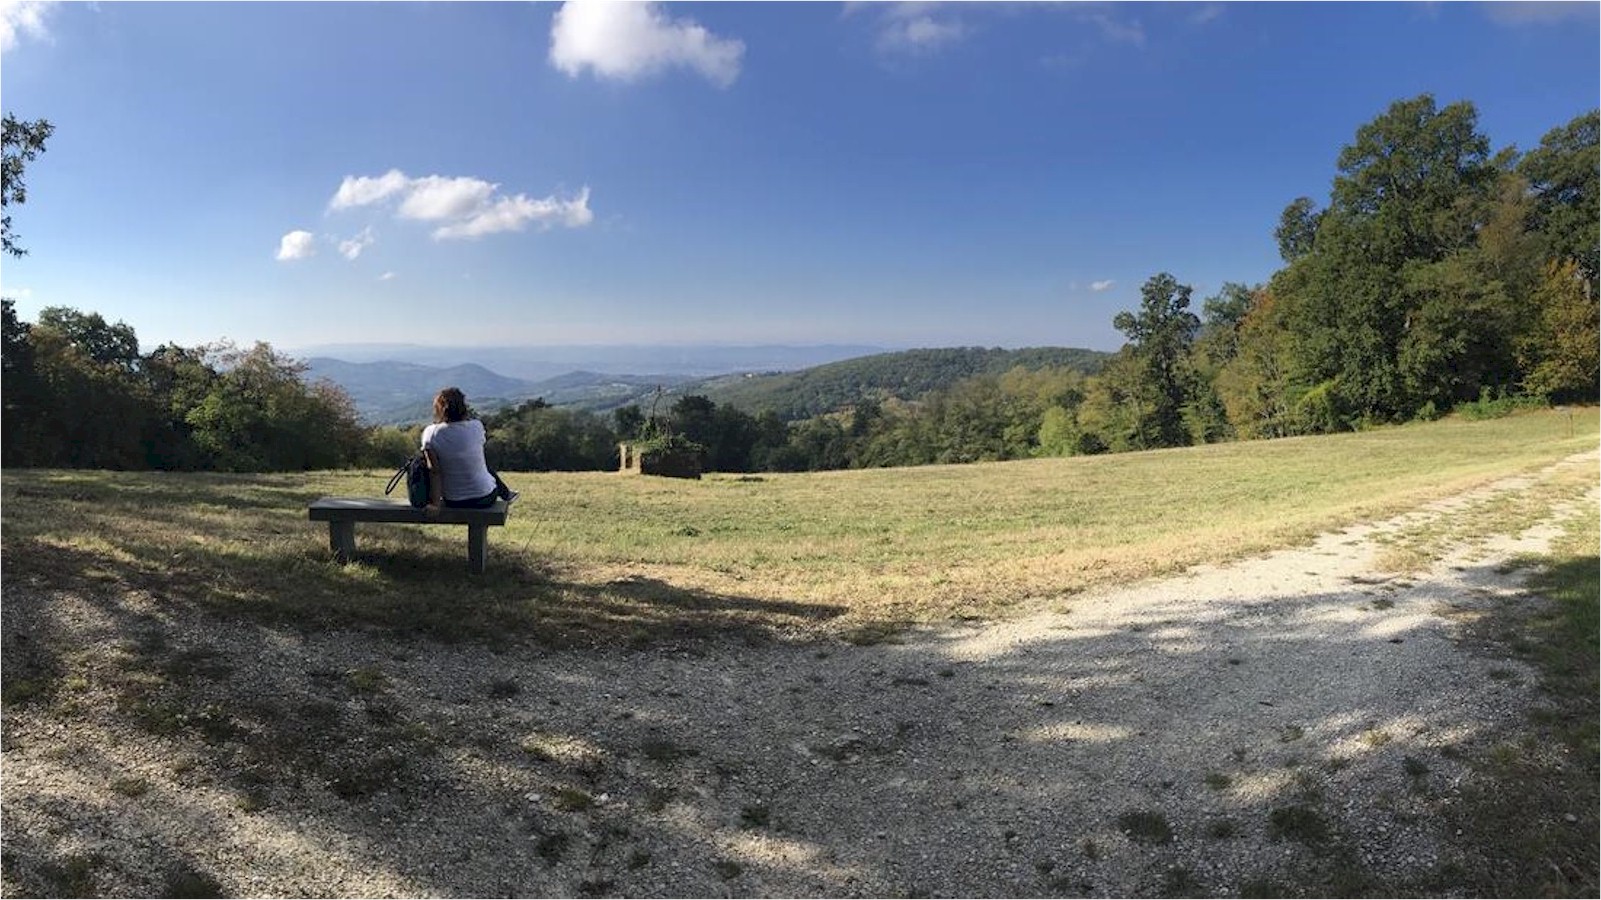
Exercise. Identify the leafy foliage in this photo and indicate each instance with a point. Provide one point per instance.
(79, 394)
(22, 142)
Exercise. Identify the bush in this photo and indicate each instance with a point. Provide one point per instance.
(1497, 405)
(1318, 410)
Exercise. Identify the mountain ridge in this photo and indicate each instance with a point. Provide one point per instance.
(396, 392)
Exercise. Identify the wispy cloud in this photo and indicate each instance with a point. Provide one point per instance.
(913, 29)
(628, 41)
(19, 17)
(1205, 13)
(1538, 13)
(387, 276)
(918, 28)
(297, 245)
(464, 207)
(350, 249)
(1100, 286)
(1117, 31)
(511, 213)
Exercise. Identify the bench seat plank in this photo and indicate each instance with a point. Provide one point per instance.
(342, 514)
(368, 509)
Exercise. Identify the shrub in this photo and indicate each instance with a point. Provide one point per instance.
(1496, 405)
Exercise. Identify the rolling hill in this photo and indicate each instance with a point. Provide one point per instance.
(401, 393)
(905, 375)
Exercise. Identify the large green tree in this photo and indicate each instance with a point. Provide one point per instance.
(1375, 304)
(22, 143)
(1160, 335)
(1564, 174)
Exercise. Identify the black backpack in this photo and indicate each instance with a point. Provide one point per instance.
(415, 472)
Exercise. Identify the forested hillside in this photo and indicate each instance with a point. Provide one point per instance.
(906, 375)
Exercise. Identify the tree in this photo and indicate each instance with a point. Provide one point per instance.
(22, 143)
(1160, 335)
(260, 416)
(1407, 173)
(1459, 333)
(1414, 188)
(110, 345)
(537, 436)
(1563, 175)
(19, 387)
(89, 413)
(1297, 228)
(628, 421)
(1114, 408)
(1255, 385)
(178, 379)
(1561, 351)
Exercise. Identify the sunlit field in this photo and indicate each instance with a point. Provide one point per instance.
(608, 557)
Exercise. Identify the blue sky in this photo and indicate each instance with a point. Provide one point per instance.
(998, 174)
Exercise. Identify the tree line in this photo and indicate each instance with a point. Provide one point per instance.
(1440, 276)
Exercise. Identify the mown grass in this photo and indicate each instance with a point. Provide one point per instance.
(601, 556)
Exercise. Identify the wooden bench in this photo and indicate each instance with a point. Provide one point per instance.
(342, 514)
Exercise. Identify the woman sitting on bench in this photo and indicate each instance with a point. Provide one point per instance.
(454, 446)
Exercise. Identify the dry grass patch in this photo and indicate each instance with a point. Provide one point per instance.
(595, 557)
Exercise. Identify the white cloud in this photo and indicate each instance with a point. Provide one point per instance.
(24, 16)
(1208, 12)
(1538, 13)
(512, 213)
(467, 207)
(433, 198)
(627, 41)
(387, 276)
(362, 191)
(352, 248)
(297, 245)
(1099, 286)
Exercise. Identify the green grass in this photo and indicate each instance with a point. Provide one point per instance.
(605, 557)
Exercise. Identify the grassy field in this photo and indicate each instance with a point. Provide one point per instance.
(606, 557)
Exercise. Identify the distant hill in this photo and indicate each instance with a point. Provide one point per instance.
(377, 387)
(906, 375)
(536, 363)
(401, 393)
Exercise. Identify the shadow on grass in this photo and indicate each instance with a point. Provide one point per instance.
(241, 546)
(407, 588)
(428, 724)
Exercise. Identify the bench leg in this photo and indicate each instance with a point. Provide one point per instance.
(477, 547)
(342, 540)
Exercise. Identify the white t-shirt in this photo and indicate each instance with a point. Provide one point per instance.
(460, 448)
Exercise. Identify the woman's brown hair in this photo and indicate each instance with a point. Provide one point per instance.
(450, 405)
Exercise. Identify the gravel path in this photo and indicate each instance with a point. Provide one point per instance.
(1292, 719)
